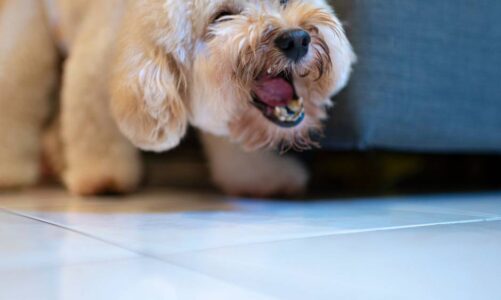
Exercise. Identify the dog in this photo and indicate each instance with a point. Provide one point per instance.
(253, 76)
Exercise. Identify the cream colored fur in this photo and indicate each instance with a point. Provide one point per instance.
(149, 68)
(27, 77)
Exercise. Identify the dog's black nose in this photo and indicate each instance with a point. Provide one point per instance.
(294, 43)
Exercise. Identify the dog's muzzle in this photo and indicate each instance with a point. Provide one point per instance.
(275, 95)
(276, 98)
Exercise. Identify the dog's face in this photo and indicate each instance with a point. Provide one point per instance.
(259, 71)
(264, 71)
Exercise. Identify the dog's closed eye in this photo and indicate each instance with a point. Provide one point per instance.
(223, 15)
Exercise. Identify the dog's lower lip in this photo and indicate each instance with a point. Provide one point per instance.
(286, 114)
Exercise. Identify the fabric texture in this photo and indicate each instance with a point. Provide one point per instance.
(428, 77)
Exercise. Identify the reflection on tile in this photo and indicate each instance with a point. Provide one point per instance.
(124, 280)
(460, 261)
(25, 243)
(479, 205)
(486, 205)
(165, 223)
(58, 200)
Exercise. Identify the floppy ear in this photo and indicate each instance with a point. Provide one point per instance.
(147, 88)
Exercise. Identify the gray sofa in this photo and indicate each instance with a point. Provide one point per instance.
(428, 77)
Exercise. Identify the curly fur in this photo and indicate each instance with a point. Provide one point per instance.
(138, 72)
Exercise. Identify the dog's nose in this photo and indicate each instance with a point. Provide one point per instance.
(294, 43)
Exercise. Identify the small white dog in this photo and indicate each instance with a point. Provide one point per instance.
(250, 74)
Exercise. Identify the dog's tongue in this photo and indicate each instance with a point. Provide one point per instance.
(274, 91)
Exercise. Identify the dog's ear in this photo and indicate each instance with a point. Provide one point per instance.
(147, 88)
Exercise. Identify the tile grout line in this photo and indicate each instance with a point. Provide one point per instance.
(402, 227)
(87, 235)
(142, 255)
(311, 236)
(478, 219)
(344, 233)
(172, 261)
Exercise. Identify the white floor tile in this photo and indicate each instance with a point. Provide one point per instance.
(25, 243)
(429, 247)
(461, 261)
(121, 280)
(226, 222)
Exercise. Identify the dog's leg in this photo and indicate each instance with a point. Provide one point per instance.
(259, 174)
(28, 74)
(98, 158)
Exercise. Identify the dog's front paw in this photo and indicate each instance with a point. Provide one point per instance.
(103, 178)
(262, 178)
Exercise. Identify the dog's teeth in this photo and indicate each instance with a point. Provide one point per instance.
(292, 118)
(290, 113)
(278, 111)
(281, 113)
(269, 71)
(296, 105)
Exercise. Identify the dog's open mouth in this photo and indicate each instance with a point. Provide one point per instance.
(276, 98)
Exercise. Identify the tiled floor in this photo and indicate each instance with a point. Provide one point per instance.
(180, 245)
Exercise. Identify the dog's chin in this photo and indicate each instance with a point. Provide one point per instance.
(275, 96)
(253, 130)
(276, 113)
